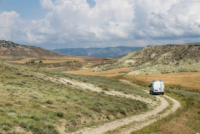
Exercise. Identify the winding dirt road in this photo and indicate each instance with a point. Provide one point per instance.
(141, 120)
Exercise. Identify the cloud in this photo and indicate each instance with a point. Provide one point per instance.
(48, 4)
(8, 21)
(113, 22)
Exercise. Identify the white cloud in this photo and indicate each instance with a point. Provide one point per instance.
(48, 4)
(109, 22)
(8, 22)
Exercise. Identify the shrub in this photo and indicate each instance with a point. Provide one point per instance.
(12, 111)
(59, 114)
(49, 101)
(198, 112)
(106, 89)
(41, 62)
(96, 109)
(122, 111)
(32, 61)
(8, 104)
(49, 129)
(6, 128)
(107, 117)
(18, 73)
(1, 110)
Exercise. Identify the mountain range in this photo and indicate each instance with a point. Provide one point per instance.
(108, 52)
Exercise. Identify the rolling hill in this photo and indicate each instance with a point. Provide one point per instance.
(160, 59)
(109, 52)
(8, 48)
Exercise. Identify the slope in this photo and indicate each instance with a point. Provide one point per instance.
(8, 48)
(36, 100)
(160, 59)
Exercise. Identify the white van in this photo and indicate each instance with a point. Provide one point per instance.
(157, 87)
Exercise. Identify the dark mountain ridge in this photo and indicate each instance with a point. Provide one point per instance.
(108, 52)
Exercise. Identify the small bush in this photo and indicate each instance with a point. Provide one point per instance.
(8, 104)
(12, 111)
(49, 129)
(2, 110)
(107, 117)
(59, 114)
(198, 112)
(96, 109)
(34, 117)
(49, 101)
(122, 111)
(106, 89)
(6, 128)
(18, 73)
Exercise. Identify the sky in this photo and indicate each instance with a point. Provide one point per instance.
(55, 24)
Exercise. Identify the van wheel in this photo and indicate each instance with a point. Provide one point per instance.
(162, 93)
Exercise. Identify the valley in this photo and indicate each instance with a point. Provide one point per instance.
(69, 94)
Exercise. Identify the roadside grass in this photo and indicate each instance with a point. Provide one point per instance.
(185, 120)
(31, 100)
(109, 83)
(132, 124)
(168, 107)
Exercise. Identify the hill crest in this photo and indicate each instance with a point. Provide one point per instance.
(9, 48)
(160, 59)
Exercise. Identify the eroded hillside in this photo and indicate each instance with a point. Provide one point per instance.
(8, 48)
(160, 59)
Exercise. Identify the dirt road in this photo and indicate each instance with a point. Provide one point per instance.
(142, 119)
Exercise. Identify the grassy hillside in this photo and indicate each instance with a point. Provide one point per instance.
(32, 99)
(160, 59)
(8, 48)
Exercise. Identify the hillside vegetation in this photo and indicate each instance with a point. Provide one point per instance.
(35, 100)
(160, 59)
(8, 48)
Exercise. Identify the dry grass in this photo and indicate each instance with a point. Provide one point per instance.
(189, 80)
(109, 73)
(177, 125)
(50, 60)
(22, 61)
(184, 121)
(54, 60)
(5, 57)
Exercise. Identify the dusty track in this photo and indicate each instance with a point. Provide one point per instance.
(142, 119)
